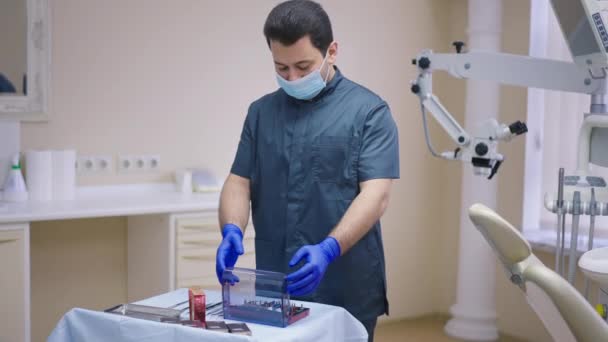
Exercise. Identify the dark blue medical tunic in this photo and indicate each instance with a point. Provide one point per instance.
(305, 160)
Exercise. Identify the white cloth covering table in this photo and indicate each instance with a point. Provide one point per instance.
(324, 324)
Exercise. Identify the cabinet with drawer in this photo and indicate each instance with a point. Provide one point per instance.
(197, 237)
(14, 282)
(171, 251)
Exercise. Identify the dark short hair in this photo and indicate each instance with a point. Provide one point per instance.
(291, 20)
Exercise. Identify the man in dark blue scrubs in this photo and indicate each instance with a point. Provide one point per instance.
(316, 159)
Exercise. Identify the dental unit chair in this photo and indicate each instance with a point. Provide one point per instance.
(565, 313)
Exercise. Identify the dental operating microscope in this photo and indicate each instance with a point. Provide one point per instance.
(580, 192)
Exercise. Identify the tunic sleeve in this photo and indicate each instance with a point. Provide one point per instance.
(245, 157)
(379, 156)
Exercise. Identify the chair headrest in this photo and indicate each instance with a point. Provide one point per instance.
(507, 241)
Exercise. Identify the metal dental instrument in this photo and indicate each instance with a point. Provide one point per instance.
(576, 212)
(592, 212)
(213, 305)
(207, 307)
(559, 245)
(178, 304)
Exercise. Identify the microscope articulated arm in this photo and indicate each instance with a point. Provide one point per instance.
(480, 148)
(429, 101)
(523, 71)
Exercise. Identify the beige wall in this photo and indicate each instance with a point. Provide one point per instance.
(175, 79)
(452, 93)
(13, 28)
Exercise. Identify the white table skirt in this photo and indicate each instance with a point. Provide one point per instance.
(324, 324)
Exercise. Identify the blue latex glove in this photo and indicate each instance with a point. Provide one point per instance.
(318, 257)
(229, 250)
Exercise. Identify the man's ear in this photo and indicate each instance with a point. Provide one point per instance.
(332, 52)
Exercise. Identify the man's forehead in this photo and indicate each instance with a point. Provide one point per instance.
(301, 50)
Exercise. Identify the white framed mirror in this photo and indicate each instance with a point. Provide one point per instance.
(25, 63)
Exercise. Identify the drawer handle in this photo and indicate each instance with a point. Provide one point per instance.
(8, 240)
(198, 257)
(192, 227)
(201, 243)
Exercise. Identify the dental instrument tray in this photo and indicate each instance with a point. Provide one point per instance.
(149, 313)
(260, 297)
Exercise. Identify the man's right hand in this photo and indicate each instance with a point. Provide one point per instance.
(229, 250)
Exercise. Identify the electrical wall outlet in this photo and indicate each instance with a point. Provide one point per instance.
(126, 164)
(153, 162)
(138, 163)
(94, 164)
(85, 164)
(103, 164)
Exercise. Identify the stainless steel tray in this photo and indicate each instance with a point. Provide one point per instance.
(149, 313)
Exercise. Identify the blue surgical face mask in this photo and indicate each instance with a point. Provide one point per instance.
(307, 87)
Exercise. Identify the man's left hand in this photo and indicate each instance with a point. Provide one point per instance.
(318, 257)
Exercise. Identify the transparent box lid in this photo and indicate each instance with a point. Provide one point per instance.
(258, 296)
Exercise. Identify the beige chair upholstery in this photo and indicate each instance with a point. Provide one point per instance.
(564, 311)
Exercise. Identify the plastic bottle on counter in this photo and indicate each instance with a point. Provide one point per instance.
(14, 185)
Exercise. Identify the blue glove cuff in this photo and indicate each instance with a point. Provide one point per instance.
(331, 248)
(230, 228)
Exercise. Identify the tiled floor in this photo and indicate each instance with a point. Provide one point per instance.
(428, 329)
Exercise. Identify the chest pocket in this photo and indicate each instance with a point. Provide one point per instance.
(334, 159)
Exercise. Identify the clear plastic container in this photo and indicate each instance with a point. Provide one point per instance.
(257, 296)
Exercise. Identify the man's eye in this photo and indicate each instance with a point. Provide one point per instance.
(303, 68)
(283, 69)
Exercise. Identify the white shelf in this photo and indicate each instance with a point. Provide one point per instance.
(115, 200)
